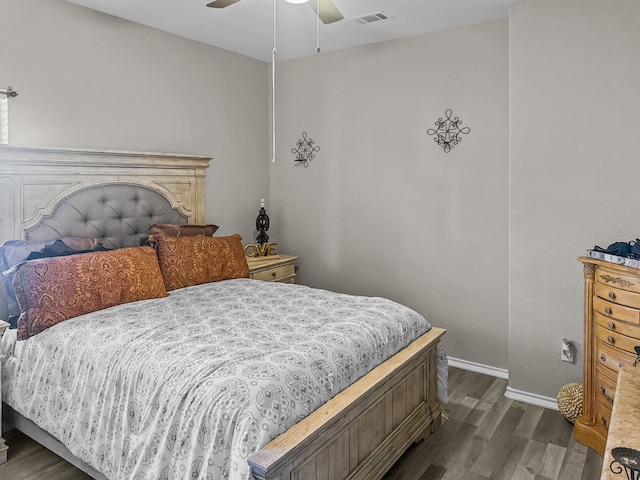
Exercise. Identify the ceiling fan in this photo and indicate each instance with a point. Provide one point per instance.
(327, 11)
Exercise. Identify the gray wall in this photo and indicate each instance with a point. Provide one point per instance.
(382, 210)
(575, 109)
(481, 241)
(89, 80)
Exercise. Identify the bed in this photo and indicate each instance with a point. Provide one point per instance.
(359, 375)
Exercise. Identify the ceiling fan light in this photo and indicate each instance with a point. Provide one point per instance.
(297, 1)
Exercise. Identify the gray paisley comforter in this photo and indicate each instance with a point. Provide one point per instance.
(189, 386)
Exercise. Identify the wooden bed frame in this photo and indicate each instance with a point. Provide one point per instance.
(359, 434)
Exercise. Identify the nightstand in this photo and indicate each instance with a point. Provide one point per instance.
(3, 446)
(281, 269)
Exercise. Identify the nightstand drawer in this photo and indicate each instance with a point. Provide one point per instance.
(275, 274)
(280, 269)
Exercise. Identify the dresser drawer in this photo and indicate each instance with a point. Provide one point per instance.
(605, 386)
(617, 340)
(602, 415)
(612, 357)
(616, 295)
(613, 325)
(620, 280)
(613, 310)
(275, 273)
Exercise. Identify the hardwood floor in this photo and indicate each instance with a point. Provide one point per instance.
(485, 436)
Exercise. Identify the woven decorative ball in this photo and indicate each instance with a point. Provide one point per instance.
(570, 401)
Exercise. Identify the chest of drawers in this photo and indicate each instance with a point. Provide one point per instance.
(611, 333)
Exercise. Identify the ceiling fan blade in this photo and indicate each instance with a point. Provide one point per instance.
(221, 3)
(328, 13)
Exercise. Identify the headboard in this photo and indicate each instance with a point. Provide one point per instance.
(34, 181)
(113, 195)
(119, 214)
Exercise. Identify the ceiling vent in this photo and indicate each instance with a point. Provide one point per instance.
(372, 17)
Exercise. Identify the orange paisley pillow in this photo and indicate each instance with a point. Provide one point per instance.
(187, 261)
(51, 290)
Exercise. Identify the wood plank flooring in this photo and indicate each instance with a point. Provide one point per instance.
(485, 436)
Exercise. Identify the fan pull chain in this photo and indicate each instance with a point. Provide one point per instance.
(318, 26)
(273, 84)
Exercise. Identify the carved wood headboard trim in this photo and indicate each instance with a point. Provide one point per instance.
(34, 179)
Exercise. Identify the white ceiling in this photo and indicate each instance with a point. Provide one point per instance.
(246, 27)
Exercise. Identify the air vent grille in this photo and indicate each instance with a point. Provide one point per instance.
(372, 17)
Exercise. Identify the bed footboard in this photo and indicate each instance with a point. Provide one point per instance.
(363, 431)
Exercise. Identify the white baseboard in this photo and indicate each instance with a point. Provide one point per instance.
(479, 368)
(511, 393)
(532, 398)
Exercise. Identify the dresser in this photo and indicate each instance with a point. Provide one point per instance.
(3, 446)
(282, 269)
(611, 333)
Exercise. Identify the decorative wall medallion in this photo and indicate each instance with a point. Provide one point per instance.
(305, 150)
(448, 132)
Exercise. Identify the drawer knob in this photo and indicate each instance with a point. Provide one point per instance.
(273, 274)
(611, 340)
(603, 390)
(611, 325)
(607, 310)
(603, 357)
(612, 295)
(604, 421)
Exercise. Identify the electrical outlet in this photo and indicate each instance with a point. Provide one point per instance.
(567, 351)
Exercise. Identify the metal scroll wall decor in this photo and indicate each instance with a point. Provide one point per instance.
(305, 150)
(448, 131)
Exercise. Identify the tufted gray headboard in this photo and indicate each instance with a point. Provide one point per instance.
(118, 214)
(113, 195)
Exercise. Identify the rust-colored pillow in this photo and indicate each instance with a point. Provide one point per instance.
(51, 290)
(159, 230)
(187, 261)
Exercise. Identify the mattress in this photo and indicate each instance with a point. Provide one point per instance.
(192, 384)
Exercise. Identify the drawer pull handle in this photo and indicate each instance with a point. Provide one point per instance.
(273, 274)
(603, 390)
(620, 365)
(611, 325)
(603, 357)
(612, 295)
(611, 340)
(604, 421)
(607, 310)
